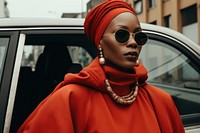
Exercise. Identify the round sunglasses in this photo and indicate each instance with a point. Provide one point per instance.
(123, 35)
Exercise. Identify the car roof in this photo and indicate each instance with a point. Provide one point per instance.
(79, 22)
(171, 33)
(37, 22)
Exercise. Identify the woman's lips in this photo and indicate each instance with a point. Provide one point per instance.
(132, 56)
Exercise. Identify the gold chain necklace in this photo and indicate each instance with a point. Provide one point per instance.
(124, 100)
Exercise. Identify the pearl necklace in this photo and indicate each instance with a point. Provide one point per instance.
(124, 100)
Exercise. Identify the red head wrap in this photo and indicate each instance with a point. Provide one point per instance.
(100, 16)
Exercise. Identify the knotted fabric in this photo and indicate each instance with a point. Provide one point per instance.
(100, 16)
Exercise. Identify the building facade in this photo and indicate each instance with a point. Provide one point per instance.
(180, 15)
(4, 13)
(1, 8)
(93, 3)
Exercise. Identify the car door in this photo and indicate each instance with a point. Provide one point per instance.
(175, 67)
(40, 59)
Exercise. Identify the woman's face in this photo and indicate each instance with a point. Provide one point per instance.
(123, 55)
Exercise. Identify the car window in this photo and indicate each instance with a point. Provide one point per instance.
(166, 65)
(43, 66)
(79, 55)
(171, 70)
(3, 48)
(31, 54)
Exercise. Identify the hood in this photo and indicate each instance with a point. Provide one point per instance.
(94, 75)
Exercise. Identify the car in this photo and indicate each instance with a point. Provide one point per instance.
(35, 54)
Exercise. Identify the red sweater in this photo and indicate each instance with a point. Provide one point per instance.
(80, 104)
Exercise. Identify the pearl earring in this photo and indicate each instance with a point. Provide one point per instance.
(137, 63)
(101, 59)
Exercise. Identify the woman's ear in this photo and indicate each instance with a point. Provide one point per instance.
(100, 42)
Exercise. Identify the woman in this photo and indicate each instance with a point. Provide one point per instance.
(111, 94)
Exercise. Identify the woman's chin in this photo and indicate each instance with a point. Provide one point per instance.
(122, 65)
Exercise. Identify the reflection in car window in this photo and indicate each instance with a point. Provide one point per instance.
(166, 65)
(170, 70)
(3, 48)
(79, 55)
(31, 54)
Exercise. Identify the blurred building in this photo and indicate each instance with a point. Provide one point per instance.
(93, 3)
(4, 13)
(180, 15)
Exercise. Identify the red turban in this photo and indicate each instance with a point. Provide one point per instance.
(100, 16)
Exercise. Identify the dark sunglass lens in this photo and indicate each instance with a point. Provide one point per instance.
(141, 38)
(122, 36)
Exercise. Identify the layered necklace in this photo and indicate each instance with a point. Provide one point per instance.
(124, 100)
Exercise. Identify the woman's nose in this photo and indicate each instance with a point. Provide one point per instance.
(131, 42)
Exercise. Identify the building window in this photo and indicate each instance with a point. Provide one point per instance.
(154, 22)
(167, 21)
(189, 15)
(189, 22)
(138, 6)
(152, 3)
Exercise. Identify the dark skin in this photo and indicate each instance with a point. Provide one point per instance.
(122, 56)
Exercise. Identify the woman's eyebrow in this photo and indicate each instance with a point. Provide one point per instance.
(123, 26)
(126, 27)
(137, 29)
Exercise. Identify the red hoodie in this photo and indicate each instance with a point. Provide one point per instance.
(80, 104)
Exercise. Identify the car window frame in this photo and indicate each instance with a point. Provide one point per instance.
(7, 73)
(62, 31)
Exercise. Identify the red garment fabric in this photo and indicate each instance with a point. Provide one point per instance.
(80, 104)
(100, 16)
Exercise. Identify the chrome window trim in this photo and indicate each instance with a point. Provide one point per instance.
(13, 87)
(192, 129)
